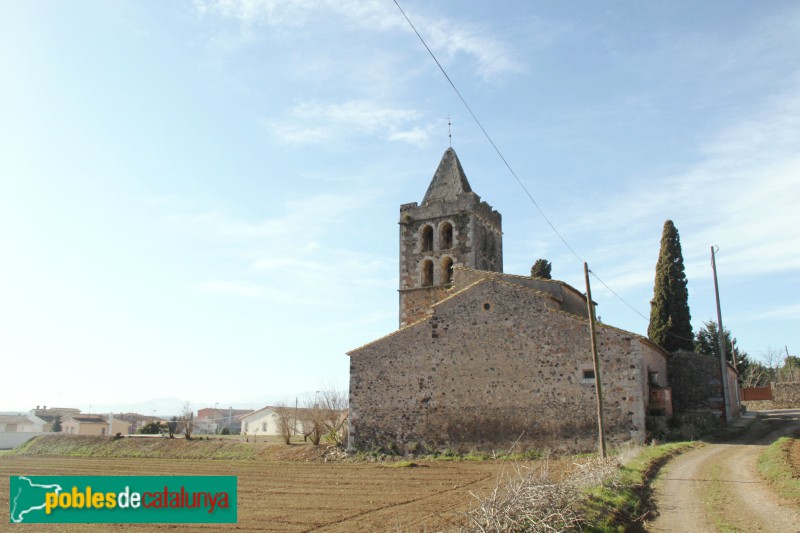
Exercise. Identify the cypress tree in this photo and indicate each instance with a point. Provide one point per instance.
(670, 320)
(56, 424)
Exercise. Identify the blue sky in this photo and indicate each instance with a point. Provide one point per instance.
(200, 199)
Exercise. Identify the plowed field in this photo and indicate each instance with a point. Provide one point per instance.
(294, 495)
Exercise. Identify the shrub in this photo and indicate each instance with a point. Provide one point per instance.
(153, 428)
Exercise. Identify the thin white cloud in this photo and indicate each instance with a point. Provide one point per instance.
(742, 195)
(291, 257)
(313, 122)
(417, 136)
(299, 217)
(788, 312)
(446, 36)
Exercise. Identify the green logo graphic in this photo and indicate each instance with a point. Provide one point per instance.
(122, 499)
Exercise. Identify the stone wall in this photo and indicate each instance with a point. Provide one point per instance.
(569, 299)
(786, 395)
(695, 383)
(758, 405)
(495, 364)
(415, 304)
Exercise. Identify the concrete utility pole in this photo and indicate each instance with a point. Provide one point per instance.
(597, 385)
(726, 402)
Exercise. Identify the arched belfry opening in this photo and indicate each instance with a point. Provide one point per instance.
(445, 236)
(426, 238)
(426, 273)
(447, 271)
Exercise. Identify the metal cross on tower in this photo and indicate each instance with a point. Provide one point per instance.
(449, 133)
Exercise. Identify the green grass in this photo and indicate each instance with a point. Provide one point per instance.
(400, 464)
(714, 498)
(614, 507)
(156, 448)
(448, 454)
(774, 466)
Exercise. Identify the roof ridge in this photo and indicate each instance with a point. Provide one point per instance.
(607, 326)
(520, 276)
(459, 291)
(523, 277)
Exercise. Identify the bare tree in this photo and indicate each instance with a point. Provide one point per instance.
(313, 420)
(286, 421)
(763, 370)
(325, 414)
(335, 404)
(757, 375)
(187, 420)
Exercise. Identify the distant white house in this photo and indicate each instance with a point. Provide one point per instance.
(16, 428)
(94, 424)
(267, 422)
(211, 420)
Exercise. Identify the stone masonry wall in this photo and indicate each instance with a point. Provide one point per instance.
(786, 395)
(495, 364)
(415, 304)
(569, 299)
(695, 383)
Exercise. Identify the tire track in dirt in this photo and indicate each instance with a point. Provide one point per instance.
(717, 487)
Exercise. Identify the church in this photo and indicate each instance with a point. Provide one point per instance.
(483, 359)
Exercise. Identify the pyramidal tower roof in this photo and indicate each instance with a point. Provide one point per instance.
(449, 180)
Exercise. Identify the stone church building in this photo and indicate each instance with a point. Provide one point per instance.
(484, 359)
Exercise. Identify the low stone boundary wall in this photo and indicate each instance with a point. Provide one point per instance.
(784, 396)
(759, 405)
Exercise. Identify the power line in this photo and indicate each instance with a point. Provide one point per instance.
(511, 170)
(488, 137)
(632, 308)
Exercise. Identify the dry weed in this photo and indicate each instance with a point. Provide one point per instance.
(527, 499)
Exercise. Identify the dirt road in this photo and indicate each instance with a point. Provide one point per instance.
(717, 486)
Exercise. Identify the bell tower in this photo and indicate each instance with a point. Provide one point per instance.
(452, 227)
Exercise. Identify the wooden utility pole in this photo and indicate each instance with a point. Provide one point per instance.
(597, 385)
(726, 402)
